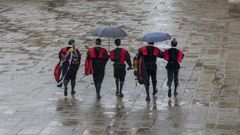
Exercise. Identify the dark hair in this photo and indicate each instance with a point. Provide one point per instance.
(117, 42)
(98, 41)
(174, 42)
(71, 41)
(150, 43)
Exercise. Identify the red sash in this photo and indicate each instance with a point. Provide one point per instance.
(166, 55)
(180, 56)
(144, 50)
(155, 51)
(179, 59)
(122, 57)
(112, 55)
(93, 54)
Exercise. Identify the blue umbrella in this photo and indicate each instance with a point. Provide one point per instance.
(155, 37)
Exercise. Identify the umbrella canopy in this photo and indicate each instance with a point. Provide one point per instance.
(155, 37)
(111, 32)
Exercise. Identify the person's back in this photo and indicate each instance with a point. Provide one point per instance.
(150, 55)
(100, 58)
(119, 59)
(150, 58)
(174, 57)
(119, 56)
(70, 58)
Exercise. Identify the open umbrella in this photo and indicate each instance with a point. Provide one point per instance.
(155, 37)
(110, 32)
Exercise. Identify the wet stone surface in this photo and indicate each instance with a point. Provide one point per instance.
(32, 32)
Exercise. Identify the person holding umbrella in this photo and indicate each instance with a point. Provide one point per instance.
(119, 56)
(150, 53)
(174, 57)
(99, 57)
(109, 32)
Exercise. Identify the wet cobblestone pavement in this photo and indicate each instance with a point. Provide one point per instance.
(32, 32)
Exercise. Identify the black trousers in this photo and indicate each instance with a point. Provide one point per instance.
(69, 75)
(172, 76)
(153, 74)
(98, 75)
(120, 73)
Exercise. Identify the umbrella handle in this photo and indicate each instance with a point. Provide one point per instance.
(108, 44)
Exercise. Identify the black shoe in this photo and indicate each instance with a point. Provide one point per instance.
(59, 85)
(116, 94)
(65, 93)
(121, 95)
(99, 96)
(155, 92)
(73, 92)
(175, 93)
(169, 93)
(147, 99)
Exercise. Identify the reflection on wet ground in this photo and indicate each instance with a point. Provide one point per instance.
(32, 32)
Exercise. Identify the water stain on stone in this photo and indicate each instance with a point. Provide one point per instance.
(210, 125)
(70, 122)
(234, 8)
(122, 132)
(176, 125)
(198, 64)
(5, 64)
(56, 3)
(142, 130)
(200, 103)
(228, 104)
(209, 67)
(227, 126)
(213, 51)
(22, 64)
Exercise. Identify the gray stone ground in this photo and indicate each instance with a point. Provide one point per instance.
(32, 32)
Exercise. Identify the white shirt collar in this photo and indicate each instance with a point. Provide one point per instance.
(98, 45)
(150, 44)
(69, 46)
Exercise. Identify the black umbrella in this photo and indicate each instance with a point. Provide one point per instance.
(109, 32)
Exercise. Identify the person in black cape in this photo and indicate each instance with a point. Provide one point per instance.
(99, 57)
(149, 55)
(70, 58)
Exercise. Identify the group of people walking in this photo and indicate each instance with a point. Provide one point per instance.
(97, 58)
